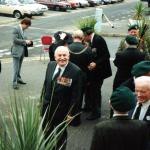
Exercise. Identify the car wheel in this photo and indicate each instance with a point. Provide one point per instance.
(17, 14)
(57, 8)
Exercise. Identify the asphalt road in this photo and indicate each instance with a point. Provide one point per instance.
(54, 21)
(33, 71)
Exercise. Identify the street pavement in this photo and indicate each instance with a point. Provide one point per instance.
(33, 72)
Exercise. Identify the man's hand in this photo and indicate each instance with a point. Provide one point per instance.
(92, 66)
(28, 42)
(69, 118)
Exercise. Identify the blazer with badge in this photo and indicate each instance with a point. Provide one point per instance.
(66, 94)
(120, 133)
(19, 43)
(101, 58)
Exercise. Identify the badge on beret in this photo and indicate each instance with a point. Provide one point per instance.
(64, 81)
(148, 118)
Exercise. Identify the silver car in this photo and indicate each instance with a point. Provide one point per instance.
(18, 10)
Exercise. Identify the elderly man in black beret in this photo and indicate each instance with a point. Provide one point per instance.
(120, 132)
(99, 69)
(125, 60)
(132, 30)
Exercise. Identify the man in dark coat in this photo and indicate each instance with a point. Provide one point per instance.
(125, 60)
(62, 91)
(120, 132)
(99, 69)
(81, 55)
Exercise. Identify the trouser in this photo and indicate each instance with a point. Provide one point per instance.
(93, 96)
(17, 63)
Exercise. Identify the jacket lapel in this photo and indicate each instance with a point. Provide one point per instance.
(52, 69)
(147, 115)
(20, 32)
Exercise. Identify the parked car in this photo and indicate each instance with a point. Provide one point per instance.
(104, 2)
(93, 3)
(82, 3)
(55, 5)
(73, 4)
(32, 3)
(18, 10)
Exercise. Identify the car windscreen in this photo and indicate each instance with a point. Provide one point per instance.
(12, 2)
(27, 1)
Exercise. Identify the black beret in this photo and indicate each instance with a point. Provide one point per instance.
(68, 39)
(87, 30)
(131, 40)
(122, 99)
(133, 27)
(141, 68)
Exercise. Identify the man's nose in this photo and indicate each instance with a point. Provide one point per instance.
(138, 94)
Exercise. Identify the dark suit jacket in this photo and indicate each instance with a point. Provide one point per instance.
(101, 58)
(80, 55)
(130, 84)
(63, 97)
(124, 62)
(120, 133)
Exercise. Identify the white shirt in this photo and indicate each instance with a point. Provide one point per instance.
(143, 109)
(114, 115)
(92, 37)
(22, 32)
(62, 70)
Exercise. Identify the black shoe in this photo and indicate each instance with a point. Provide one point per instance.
(21, 82)
(93, 116)
(15, 87)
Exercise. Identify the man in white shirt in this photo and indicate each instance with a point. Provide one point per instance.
(142, 90)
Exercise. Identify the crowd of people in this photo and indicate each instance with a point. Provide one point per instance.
(79, 64)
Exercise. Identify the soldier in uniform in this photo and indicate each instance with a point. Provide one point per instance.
(133, 30)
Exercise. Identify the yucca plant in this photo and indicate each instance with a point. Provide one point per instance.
(22, 130)
(86, 22)
(139, 11)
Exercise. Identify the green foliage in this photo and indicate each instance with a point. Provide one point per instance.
(22, 129)
(86, 22)
(139, 11)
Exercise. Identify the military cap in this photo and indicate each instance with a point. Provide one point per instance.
(141, 68)
(87, 30)
(131, 40)
(68, 39)
(133, 27)
(122, 99)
